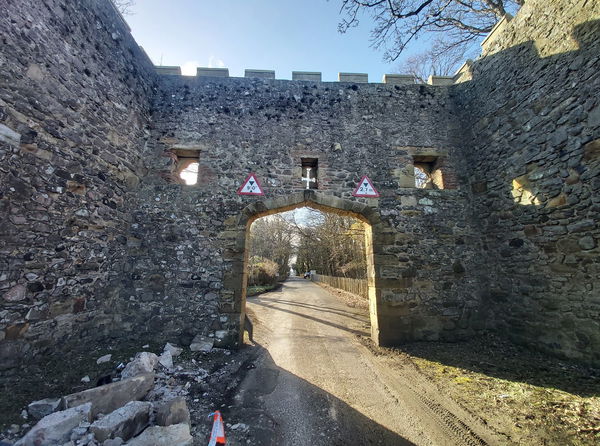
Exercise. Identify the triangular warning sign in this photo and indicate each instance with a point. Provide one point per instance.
(365, 188)
(250, 187)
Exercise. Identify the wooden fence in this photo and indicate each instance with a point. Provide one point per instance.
(359, 287)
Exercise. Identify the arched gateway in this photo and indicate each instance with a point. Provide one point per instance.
(317, 200)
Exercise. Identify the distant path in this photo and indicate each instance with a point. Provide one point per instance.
(316, 384)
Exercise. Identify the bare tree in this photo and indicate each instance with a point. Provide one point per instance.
(399, 22)
(271, 238)
(437, 61)
(124, 6)
(333, 245)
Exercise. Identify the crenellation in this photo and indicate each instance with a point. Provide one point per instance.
(168, 70)
(399, 79)
(440, 80)
(260, 74)
(353, 77)
(313, 76)
(212, 72)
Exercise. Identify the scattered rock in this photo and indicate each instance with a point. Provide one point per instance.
(80, 431)
(166, 360)
(202, 344)
(113, 442)
(39, 409)
(174, 435)
(173, 349)
(56, 428)
(107, 398)
(125, 422)
(143, 363)
(174, 411)
(103, 359)
(85, 379)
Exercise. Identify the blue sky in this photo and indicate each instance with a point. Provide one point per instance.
(280, 35)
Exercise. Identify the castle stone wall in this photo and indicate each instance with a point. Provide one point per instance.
(534, 115)
(188, 264)
(101, 241)
(75, 95)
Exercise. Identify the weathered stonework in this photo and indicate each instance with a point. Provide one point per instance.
(75, 94)
(192, 238)
(534, 111)
(100, 240)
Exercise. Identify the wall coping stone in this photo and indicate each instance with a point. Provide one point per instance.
(440, 80)
(306, 76)
(261, 74)
(212, 72)
(167, 70)
(353, 77)
(399, 79)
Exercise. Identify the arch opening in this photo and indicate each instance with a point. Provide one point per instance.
(360, 211)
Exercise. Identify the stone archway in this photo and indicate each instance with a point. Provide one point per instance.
(234, 292)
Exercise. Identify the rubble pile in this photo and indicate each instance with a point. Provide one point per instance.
(142, 404)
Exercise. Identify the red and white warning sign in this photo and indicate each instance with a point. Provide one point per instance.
(365, 188)
(250, 187)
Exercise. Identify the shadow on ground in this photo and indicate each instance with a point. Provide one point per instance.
(499, 358)
(305, 413)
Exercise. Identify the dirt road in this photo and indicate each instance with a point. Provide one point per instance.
(315, 383)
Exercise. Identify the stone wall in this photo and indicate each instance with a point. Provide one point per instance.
(534, 115)
(75, 94)
(100, 240)
(186, 267)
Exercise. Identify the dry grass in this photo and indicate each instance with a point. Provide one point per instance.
(527, 397)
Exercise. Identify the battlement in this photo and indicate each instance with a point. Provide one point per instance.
(309, 76)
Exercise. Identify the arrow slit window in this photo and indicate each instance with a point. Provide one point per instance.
(310, 168)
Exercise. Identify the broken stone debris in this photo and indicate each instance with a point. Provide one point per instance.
(117, 414)
(173, 349)
(174, 411)
(125, 422)
(166, 360)
(57, 427)
(111, 396)
(39, 409)
(202, 344)
(174, 435)
(103, 359)
(142, 363)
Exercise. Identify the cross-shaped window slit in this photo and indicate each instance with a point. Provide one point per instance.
(310, 167)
